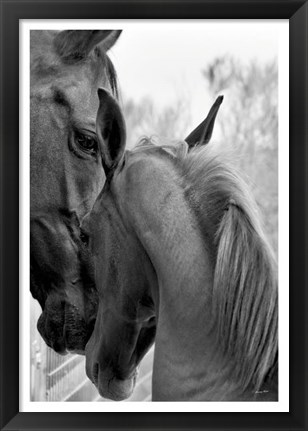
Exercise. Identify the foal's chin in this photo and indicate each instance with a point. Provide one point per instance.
(116, 389)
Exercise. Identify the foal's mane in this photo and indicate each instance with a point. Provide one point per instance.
(245, 294)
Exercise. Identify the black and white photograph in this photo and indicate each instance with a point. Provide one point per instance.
(155, 257)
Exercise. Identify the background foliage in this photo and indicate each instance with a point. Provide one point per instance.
(246, 126)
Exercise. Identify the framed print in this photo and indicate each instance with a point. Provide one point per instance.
(168, 106)
(243, 67)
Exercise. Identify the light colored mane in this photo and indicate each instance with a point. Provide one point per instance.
(244, 293)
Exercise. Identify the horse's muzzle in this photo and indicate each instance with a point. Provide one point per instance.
(65, 330)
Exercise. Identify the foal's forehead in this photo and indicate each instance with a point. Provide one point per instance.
(147, 154)
(145, 166)
(141, 162)
(162, 147)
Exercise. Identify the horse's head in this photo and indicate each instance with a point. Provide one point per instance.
(67, 68)
(66, 173)
(125, 277)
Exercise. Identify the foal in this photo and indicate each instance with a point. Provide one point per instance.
(179, 257)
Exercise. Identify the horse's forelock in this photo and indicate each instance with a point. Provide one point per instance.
(45, 61)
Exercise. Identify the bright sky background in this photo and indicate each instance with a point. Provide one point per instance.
(165, 60)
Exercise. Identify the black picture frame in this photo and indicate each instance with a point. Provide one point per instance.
(11, 12)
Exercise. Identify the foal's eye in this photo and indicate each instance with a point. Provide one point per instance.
(86, 143)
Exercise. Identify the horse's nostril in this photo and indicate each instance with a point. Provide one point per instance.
(95, 373)
(84, 237)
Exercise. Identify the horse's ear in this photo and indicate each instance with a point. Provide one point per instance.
(74, 45)
(110, 40)
(203, 133)
(110, 131)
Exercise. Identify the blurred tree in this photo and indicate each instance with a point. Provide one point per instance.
(248, 122)
(143, 119)
(247, 125)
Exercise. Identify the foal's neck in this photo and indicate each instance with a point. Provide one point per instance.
(185, 367)
(183, 348)
(170, 233)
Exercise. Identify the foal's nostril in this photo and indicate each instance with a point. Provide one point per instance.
(92, 323)
(151, 322)
(90, 328)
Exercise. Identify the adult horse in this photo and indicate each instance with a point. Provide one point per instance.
(67, 68)
(179, 257)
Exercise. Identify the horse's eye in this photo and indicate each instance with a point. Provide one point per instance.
(86, 143)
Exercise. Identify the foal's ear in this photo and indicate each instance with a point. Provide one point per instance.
(110, 131)
(203, 133)
(74, 45)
